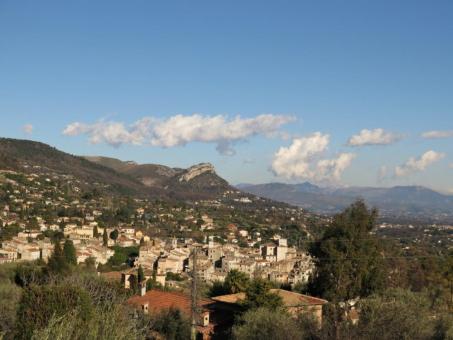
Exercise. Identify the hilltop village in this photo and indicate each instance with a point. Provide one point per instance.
(180, 251)
(119, 234)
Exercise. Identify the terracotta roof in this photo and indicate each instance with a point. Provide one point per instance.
(290, 299)
(230, 298)
(158, 300)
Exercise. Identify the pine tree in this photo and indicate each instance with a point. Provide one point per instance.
(140, 274)
(348, 258)
(105, 238)
(57, 262)
(69, 252)
(133, 283)
(114, 235)
(258, 295)
(95, 231)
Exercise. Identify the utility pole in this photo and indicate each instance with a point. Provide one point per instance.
(194, 296)
(451, 294)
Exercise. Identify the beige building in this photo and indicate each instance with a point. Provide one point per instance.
(294, 303)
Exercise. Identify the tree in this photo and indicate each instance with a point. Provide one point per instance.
(133, 283)
(33, 224)
(236, 281)
(9, 298)
(57, 262)
(396, 314)
(105, 239)
(95, 231)
(348, 258)
(26, 274)
(263, 323)
(257, 295)
(152, 283)
(69, 253)
(119, 258)
(104, 323)
(39, 303)
(217, 288)
(90, 263)
(140, 274)
(171, 324)
(114, 235)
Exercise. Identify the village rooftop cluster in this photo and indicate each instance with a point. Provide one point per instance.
(40, 206)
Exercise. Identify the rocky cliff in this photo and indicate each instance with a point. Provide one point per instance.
(197, 170)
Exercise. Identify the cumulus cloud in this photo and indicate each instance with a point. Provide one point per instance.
(418, 164)
(302, 160)
(28, 129)
(373, 137)
(113, 133)
(180, 130)
(436, 134)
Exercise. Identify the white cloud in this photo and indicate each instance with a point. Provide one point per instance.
(435, 134)
(418, 164)
(302, 160)
(374, 137)
(451, 165)
(382, 174)
(113, 133)
(28, 129)
(182, 129)
(332, 169)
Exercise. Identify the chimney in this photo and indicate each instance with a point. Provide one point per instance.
(142, 288)
(145, 308)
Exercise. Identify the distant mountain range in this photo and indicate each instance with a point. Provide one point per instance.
(398, 202)
(202, 182)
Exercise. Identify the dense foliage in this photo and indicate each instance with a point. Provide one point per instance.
(348, 257)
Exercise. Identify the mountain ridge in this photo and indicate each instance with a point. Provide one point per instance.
(147, 180)
(199, 180)
(397, 201)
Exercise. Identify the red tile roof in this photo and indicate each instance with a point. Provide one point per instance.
(158, 300)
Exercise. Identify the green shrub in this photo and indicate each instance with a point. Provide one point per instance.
(39, 304)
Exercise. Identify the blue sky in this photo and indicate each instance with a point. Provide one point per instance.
(333, 67)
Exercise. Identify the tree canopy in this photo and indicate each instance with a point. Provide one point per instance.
(257, 295)
(57, 261)
(114, 234)
(105, 238)
(69, 252)
(236, 281)
(348, 257)
(263, 323)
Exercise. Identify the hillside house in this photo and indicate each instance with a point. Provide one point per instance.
(156, 301)
(294, 303)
